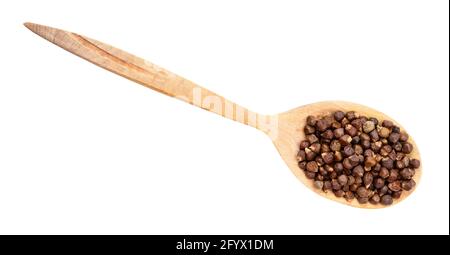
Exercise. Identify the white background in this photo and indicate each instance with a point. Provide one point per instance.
(83, 151)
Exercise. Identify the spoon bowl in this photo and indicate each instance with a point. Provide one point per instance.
(285, 129)
(290, 134)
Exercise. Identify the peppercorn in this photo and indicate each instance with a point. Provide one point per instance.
(407, 148)
(325, 148)
(312, 138)
(379, 183)
(384, 173)
(403, 137)
(309, 129)
(349, 195)
(328, 134)
(335, 145)
(408, 185)
(312, 166)
(395, 186)
(311, 120)
(342, 179)
(326, 185)
(386, 200)
(301, 156)
(394, 137)
(302, 165)
(310, 175)
(345, 140)
(358, 171)
(362, 192)
(368, 179)
(351, 130)
(384, 132)
(339, 193)
(368, 126)
(357, 123)
(374, 135)
(393, 175)
(338, 156)
(310, 155)
(415, 163)
(348, 151)
(304, 144)
(351, 115)
(388, 163)
(375, 199)
(322, 125)
(387, 124)
(338, 132)
(339, 115)
(318, 184)
(397, 194)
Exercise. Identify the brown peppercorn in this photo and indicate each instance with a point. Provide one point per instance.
(368, 126)
(328, 134)
(301, 156)
(335, 145)
(363, 200)
(384, 173)
(395, 129)
(388, 163)
(376, 168)
(325, 148)
(338, 167)
(338, 132)
(347, 164)
(345, 140)
(310, 175)
(328, 168)
(358, 149)
(392, 155)
(408, 185)
(351, 130)
(358, 171)
(356, 140)
(397, 147)
(333, 175)
(369, 162)
(407, 148)
(394, 137)
(350, 180)
(374, 135)
(384, 132)
(302, 165)
(357, 123)
(342, 179)
(376, 146)
(344, 121)
(312, 138)
(368, 179)
(339, 193)
(393, 175)
(326, 185)
(310, 155)
(395, 186)
(383, 190)
(349, 195)
(397, 194)
(405, 161)
(351, 115)
(311, 120)
(354, 187)
(399, 164)
(312, 166)
(315, 147)
(404, 137)
(375, 199)
(414, 163)
(320, 161)
(362, 192)
(386, 200)
(339, 115)
(385, 150)
(348, 151)
(335, 184)
(318, 184)
(378, 183)
(328, 157)
(387, 124)
(304, 144)
(364, 137)
(338, 156)
(309, 129)
(336, 125)
(322, 125)
(354, 160)
(365, 144)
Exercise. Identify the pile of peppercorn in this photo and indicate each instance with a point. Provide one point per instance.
(357, 157)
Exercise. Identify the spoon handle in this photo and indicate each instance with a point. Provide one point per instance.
(145, 73)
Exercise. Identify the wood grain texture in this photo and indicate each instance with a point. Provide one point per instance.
(285, 129)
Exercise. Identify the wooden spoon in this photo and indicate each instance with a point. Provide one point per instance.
(285, 129)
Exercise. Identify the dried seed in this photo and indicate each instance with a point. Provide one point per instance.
(309, 129)
(335, 145)
(318, 184)
(408, 185)
(404, 137)
(345, 140)
(386, 200)
(368, 126)
(394, 137)
(301, 156)
(415, 163)
(304, 144)
(338, 133)
(358, 171)
(339, 115)
(407, 148)
(387, 124)
(395, 186)
(312, 166)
